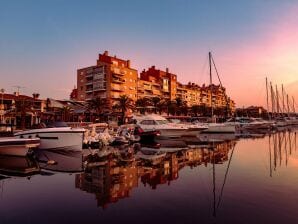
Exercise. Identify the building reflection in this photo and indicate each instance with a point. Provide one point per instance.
(111, 179)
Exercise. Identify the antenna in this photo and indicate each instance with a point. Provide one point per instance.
(18, 88)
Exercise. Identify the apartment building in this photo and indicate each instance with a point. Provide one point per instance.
(110, 78)
(155, 82)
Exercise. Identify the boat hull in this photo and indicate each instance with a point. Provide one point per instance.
(67, 139)
(17, 147)
(220, 128)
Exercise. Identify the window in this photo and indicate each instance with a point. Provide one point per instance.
(81, 87)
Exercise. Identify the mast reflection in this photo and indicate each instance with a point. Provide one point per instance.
(110, 178)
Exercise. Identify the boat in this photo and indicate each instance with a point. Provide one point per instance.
(56, 138)
(247, 123)
(17, 146)
(98, 136)
(154, 122)
(217, 127)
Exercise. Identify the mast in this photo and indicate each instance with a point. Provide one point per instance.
(211, 88)
(293, 105)
(288, 107)
(267, 99)
(272, 99)
(277, 100)
(283, 99)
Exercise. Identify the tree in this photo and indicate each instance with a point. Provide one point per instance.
(123, 105)
(96, 105)
(23, 106)
(181, 106)
(155, 102)
(142, 103)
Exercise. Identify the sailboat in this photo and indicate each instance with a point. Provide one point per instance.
(217, 128)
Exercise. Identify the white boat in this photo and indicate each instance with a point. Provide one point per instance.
(246, 123)
(58, 138)
(18, 147)
(220, 128)
(169, 130)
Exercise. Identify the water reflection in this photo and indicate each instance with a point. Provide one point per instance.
(111, 178)
(281, 145)
(254, 177)
(18, 166)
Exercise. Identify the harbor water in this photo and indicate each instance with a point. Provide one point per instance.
(243, 180)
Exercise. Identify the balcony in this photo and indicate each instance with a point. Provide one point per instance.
(89, 75)
(118, 80)
(89, 83)
(99, 89)
(116, 89)
(89, 90)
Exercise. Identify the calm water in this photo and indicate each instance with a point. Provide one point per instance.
(252, 180)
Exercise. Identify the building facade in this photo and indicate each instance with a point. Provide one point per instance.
(155, 82)
(110, 78)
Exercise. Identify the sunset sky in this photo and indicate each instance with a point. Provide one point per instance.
(43, 43)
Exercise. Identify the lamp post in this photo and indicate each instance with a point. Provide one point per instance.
(2, 105)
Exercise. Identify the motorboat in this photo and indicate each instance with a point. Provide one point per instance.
(126, 135)
(58, 137)
(220, 128)
(98, 136)
(155, 122)
(247, 123)
(17, 146)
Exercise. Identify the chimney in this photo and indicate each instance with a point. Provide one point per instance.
(35, 95)
(16, 93)
(167, 70)
(128, 63)
(106, 53)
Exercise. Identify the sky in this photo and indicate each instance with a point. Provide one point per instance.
(44, 42)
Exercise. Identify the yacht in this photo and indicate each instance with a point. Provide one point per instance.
(220, 128)
(246, 123)
(169, 130)
(56, 137)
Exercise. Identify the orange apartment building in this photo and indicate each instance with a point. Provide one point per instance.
(110, 78)
(155, 82)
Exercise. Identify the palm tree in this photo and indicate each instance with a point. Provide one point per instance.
(155, 102)
(181, 106)
(23, 106)
(96, 105)
(142, 103)
(195, 109)
(123, 105)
